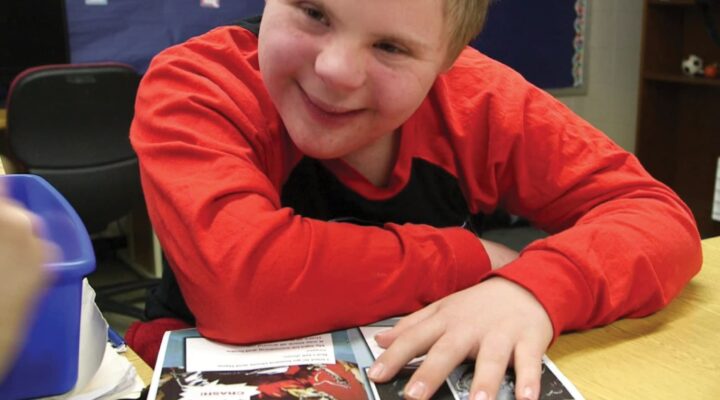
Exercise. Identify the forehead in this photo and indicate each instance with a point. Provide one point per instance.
(421, 20)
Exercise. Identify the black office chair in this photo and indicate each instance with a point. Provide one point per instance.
(70, 124)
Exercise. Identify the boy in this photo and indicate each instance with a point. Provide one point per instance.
(316, 176)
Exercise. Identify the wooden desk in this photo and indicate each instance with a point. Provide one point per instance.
(143, 370)
(674, 354)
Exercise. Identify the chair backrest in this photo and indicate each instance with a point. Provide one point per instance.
(70, 124)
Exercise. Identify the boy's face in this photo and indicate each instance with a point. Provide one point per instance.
(343, 73)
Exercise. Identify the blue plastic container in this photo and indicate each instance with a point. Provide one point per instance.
(48, 362)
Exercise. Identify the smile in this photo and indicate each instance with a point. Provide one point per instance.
(326, 114)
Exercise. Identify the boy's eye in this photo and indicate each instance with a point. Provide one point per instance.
(314, 13)
(390, 48)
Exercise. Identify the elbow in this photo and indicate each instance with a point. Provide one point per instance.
(695, 259)
(230, 319)
(688, 262)
(248, 319)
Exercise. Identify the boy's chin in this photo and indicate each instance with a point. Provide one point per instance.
(317, 147)
(319, 153)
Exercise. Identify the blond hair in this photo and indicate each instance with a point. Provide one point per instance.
(465, 20)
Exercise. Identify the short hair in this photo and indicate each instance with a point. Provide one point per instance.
(465, 20)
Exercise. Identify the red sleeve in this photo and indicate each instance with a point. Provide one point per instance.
(622, 244)
(212, 161)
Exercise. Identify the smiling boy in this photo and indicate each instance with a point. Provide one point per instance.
(321, 173)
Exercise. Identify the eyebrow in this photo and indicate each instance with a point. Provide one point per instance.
(410, 42)
(405, 40)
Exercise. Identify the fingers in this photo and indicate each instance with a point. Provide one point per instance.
(490, 366)
(492, 362)
(17, 224)
(442, 358)
(516, 327)
(528, 369)
(412, 343)
(386, 338)
(16, 219)
(21, 242)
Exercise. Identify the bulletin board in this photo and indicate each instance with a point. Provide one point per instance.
(543, 40)
(134, 31)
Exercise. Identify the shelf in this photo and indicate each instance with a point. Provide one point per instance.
(681, 79)
(677, 131)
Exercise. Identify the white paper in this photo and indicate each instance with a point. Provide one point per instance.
(93, 336)
(369, 333)
(102, 373)
(238, 391)
(204, 355)
(115, 379)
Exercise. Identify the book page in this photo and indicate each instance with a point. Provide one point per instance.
(304, 373)
(204, 355)
(332, 366)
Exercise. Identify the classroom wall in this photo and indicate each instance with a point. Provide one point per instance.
(613, 72)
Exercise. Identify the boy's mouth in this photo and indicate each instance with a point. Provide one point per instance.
(325, 113)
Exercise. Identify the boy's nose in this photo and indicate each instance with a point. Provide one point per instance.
(341, 67)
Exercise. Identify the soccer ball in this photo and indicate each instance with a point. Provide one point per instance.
(692, 65)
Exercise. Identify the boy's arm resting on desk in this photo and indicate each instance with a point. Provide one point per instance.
(624, 245)
(249, 269)
(213, 163)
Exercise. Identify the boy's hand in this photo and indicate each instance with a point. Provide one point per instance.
(21, 267)
(496, 322)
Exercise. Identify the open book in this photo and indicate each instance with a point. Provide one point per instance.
(330, 366)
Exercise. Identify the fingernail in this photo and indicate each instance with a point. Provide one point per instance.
(481, 396)
(527, 393)
(376, 371)
(416, 390)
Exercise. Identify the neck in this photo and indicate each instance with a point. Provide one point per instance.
(375, 161)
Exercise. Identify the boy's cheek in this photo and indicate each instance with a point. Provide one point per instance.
(285, 54)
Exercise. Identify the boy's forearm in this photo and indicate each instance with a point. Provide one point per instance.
(628, 258)
(273, 275)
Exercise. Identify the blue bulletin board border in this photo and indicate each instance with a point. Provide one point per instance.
(543, 40)
(579, 42)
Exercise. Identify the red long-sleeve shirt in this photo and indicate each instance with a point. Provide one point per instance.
(215, 159)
